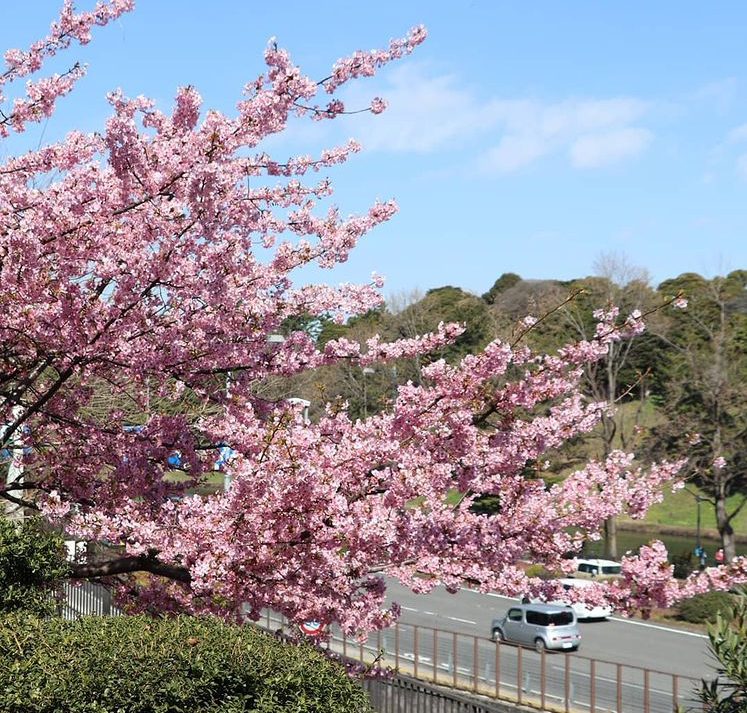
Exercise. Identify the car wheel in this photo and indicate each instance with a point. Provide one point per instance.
(497, 636)
(539, 645)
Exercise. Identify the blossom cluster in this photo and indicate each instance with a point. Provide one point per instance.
(42, 94)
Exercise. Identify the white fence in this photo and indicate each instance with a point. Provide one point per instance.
(85, 599)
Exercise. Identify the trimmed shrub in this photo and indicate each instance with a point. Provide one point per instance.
(176, 665)
(704, 607)
(538, 570)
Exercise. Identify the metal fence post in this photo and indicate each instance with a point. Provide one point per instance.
(543, 676)
(497, 669)
(435, 655)
(415, 651)
(619, 688)
(475, 666)
(396, 646)
(454, 657)
(519, 667)
(592, 686)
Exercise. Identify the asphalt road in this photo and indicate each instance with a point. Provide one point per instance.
(617, 640)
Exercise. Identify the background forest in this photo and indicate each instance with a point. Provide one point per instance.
(678, 390)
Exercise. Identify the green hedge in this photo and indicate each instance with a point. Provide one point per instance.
(32, 563)
(176, 665)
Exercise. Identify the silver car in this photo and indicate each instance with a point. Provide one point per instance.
(543, 626)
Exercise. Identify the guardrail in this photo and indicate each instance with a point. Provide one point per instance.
(561, 682)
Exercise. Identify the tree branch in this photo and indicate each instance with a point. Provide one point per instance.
(124, 565)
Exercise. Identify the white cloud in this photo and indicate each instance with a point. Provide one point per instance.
(592, 132)
(738, 134)
(423, 114)
(428, 113)
(513, 152)
(719, 95)
(592, 114)
(601, 149)
(742, 165)
(561, 120)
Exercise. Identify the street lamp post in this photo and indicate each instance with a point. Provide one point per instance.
(699, 552)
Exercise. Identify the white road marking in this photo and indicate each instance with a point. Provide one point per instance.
(670, 629)
(433, 613)
(462, 621)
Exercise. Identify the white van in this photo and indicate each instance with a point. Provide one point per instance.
(583, 611)
(597, 569)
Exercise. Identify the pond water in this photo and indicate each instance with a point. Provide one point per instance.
(675, 544)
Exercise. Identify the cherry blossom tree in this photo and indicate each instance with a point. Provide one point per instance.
(143, 271)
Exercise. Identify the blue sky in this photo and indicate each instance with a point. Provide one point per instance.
(527, 137)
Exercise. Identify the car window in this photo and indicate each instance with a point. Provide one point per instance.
(514, 614)
(612, 569)
(561, 618)
(538, 618)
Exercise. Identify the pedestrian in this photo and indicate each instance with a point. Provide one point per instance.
(700, 553)
(719, 556)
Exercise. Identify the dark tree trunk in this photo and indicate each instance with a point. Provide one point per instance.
(610, 538)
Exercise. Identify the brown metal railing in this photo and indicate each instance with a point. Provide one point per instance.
(562, 682)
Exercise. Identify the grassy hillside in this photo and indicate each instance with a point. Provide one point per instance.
(680, 509)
